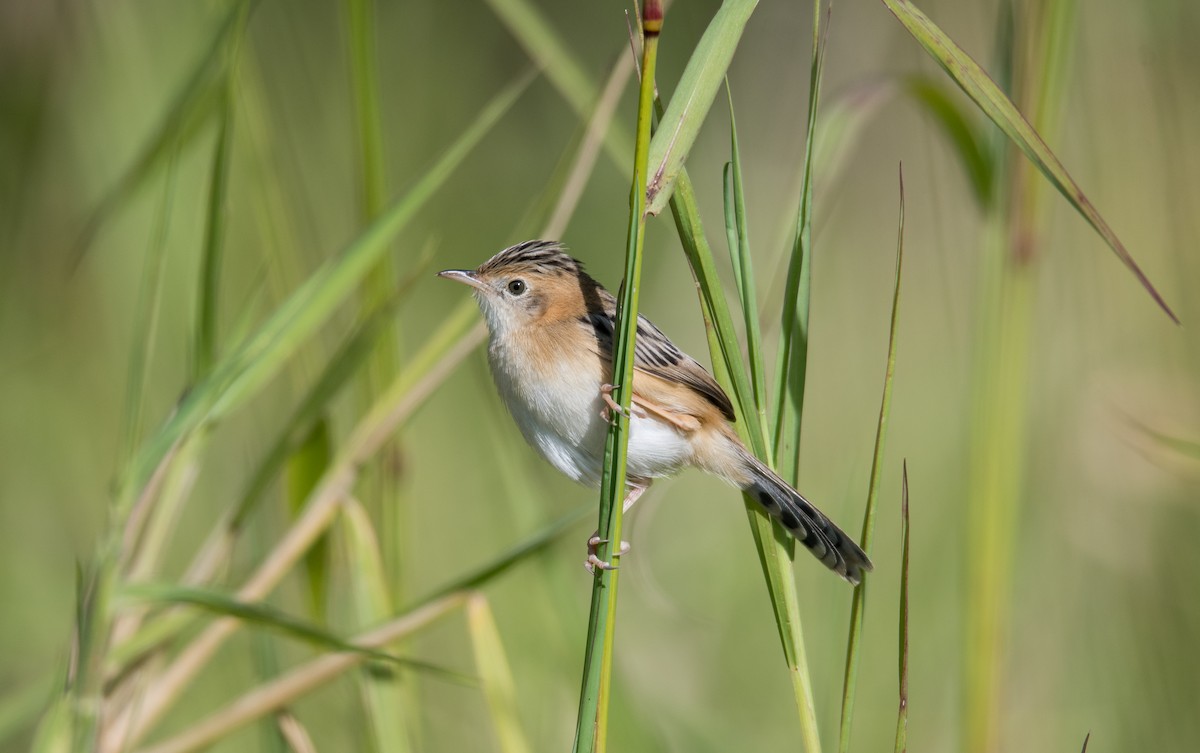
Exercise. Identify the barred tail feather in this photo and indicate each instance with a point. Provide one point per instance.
(817, 533)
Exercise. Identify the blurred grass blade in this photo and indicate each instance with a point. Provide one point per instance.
(840, 125)
(343, 365)
(563, 70)
(693, 97)
(145, 322)
(315, 674)
(385, 706)
(53, 733)
(591, 727)
(738, 232)
(305, 468)
(239, 375)
(266, 667)
(999, 108)
(19, 708)
(262, 615)
(379, 483)
(205, 347)
(530, 546)
(215, 553)
(1188, 448)
(293, 732)
(495, 676)
(854, 641)
(902, 715)
(189, 110)
(299, 681)
(969, 144)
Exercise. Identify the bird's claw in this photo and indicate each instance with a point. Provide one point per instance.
(593, 561)
(611, 406)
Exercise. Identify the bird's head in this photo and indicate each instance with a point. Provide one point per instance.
(527, 284)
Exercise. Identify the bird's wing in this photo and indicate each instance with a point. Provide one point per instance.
(655, 354)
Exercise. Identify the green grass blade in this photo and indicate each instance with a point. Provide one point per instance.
(341, 366)
(902, 715)
(791, 364)
(384, 699)
(53, 733)
(238, 376)
(968, 142)
(145, 323)
(563, 70)
(744, 270)
(19, 709)
(840, 126)
(266, 666)
(693, 97)
(999, 108)
(857, 612)
(725, 352)
(205, 349)
(294, 684)
(775, 551)
(380, 484)
(183, 121)
(305, 468)
(495, 676)
(266, 616)
(591, 731)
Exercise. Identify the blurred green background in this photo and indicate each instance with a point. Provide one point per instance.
(1104, 632)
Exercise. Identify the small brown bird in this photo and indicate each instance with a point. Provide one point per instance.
(550, 351)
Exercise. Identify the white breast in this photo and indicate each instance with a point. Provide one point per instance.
(557, 407)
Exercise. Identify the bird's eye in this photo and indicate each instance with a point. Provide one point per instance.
(517, 287)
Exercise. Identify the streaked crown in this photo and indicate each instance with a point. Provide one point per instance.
(537, 256)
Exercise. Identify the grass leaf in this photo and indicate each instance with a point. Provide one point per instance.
(305, 468)
(495, 676)
(999, 108)
(902, 715)
(854, 640)
(563, 70)
(739, 250)
(969, 144)
(263, 615)
(239, 375)
(693, 97)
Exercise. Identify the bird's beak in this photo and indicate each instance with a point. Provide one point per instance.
(465, 276)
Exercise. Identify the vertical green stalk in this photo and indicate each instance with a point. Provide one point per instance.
(902, 714)
(998, 442)
(379, 285)
(591, 731)
(854, 642)
(379, 485)
(738, 231)
(210, 264)
(791, 367)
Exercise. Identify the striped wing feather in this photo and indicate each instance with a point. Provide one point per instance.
(655, 354)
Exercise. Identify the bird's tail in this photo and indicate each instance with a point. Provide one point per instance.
(809, 525)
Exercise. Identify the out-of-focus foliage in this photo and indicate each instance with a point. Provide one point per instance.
(1100, 635)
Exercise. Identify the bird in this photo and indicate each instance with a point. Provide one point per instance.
(550, 343)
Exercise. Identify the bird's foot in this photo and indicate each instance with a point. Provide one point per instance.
(611, 406)
(593, 560)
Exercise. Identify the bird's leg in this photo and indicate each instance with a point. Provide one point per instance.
(611, 406)
(594, 543)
